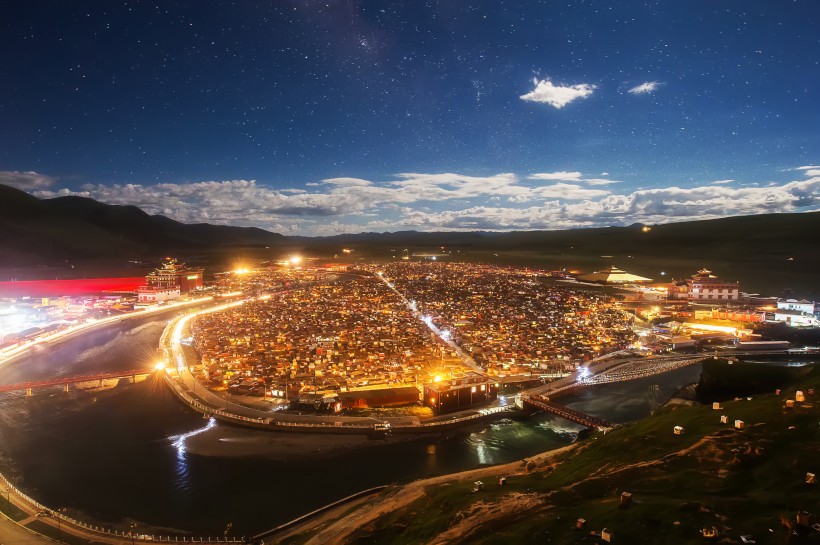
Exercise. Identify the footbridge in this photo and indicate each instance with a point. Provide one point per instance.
(543, 403)
(65, 381)
(598, 372)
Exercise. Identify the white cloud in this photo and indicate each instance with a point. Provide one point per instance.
(722, 182)
(347, 182)
(561, 175)
(449, 201)
(644, 88)
(571, 177)
(27, 181)
(569, 192)
(646, 206)
(555, 95)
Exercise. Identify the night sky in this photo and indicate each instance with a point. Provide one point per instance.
(309, 117)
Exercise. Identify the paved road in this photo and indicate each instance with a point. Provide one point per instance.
(12, 534)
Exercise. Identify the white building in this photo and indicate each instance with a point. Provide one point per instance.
(796, 313)
(793, 304)
(795, 317)
(149, 295)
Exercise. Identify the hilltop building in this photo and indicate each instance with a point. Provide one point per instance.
(168, 282)
(613, 275)
(705, 286)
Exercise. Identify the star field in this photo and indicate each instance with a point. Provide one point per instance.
(317, 117)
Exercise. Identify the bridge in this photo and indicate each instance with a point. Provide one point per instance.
(543, 403)
(600, 372)
(65, 381)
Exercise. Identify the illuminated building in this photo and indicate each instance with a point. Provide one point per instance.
(796, 313)
(459, 394)
(704, 286)
(169, 282)
(613, 275)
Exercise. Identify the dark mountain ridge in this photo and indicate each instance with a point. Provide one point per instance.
(51, 230)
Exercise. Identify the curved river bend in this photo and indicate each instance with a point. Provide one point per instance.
(134, 452)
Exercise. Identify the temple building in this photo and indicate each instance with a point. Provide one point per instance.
(169, 282)
(704, 286)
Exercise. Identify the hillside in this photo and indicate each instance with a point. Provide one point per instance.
(34, 231)
(749, 481)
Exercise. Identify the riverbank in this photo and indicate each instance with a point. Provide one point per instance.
(336, 525)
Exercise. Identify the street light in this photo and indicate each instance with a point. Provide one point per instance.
(58, 515)
(228, 529)
(131, 531)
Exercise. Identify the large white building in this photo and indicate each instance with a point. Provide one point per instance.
(796, 313)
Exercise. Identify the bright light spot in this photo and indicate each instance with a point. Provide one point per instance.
(178, 441)
(646, 228)
(295, 260)
(446, 335)
(583, 372)
(437, 378)
(241, 270)
(159, 366)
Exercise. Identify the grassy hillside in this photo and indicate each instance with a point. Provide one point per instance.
(739, 481)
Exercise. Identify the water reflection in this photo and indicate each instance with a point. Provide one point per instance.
(178, 442)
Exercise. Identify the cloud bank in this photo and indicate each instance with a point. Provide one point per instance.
(27, 181)
(449, 201)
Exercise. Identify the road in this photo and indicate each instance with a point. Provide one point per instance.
(465, 358)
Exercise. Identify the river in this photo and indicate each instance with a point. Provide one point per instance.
(124, 454)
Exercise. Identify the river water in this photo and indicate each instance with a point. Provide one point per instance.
(119, 455)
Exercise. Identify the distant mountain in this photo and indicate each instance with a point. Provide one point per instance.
(780, 234)
(766, 252)
(34, 231)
